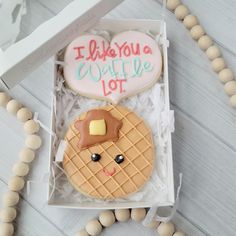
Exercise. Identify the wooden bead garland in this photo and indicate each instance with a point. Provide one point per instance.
(226, 75)
(20, 169)
(4, 98)
(172, 4)
(6, 229)
(24, 114)
(33, 142)
(16, 183)
(122, 215)
(181, 11)
(109, 217)
(197, 32)
(27, 155)
(10, 198)
(31, 127)
(190, 21)
(7, 214)
(166, 229)
(213, 52)
(13, 106)
(218, 64)
(205, 43)
(138, 214)
(230, 88)
(93, 227)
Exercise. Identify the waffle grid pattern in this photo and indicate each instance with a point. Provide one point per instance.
(142, 134)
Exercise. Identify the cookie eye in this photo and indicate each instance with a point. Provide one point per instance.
(95, 157)
(119, 159)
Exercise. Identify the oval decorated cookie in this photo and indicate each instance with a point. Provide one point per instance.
(97, 68)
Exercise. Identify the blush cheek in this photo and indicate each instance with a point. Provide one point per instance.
(109, 172)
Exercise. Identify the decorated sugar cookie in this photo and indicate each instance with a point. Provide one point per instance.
(109, 153)
(127, 65)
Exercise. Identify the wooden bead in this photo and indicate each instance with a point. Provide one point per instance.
(26, 155)
(233, 101)
(218, 64)
(20, 169)
(230, 88)
(107, 218)
(8, 214)
(6, 229)
(13, 106)
(4, 98)
(82, 232)
(190, 21)
(205, 42)
(33, 141)
(122, 215)
(181, 11)
(179, 234)
(153, 225)
(24, 114)
(197, 32)
(213, 52)
(16, 183)
(31, 127)
(166, 229)
(226, 75)
(93, 227)
(138, 214)
(10, 198)
(172, 4)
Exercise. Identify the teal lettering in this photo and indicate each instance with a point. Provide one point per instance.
(80, 75)
(95, 72)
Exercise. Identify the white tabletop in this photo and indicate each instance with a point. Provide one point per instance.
(203, 144)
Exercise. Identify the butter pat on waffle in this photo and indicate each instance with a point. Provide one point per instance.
(109, 153)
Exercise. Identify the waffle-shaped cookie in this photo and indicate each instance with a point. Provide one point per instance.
(109, 154)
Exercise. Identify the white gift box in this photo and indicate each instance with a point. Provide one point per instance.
(23, 57)
(11, 13)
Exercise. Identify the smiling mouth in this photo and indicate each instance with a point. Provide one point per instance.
(109, 173)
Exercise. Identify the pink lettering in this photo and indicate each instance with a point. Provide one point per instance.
(112, 86)
(104, 89)
(92, 50)
(135, 50)
(120, 48)
(102, 52)
(78, 52)
(121, 82)
(147, 50)
(127, 51)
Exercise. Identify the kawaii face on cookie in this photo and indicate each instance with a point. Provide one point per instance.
(118, 159)
(99, 127)
(109, 153)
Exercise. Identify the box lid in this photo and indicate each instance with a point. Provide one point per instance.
(23, 57)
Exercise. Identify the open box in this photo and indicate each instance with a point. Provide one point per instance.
(54, 40)
(57, 190)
